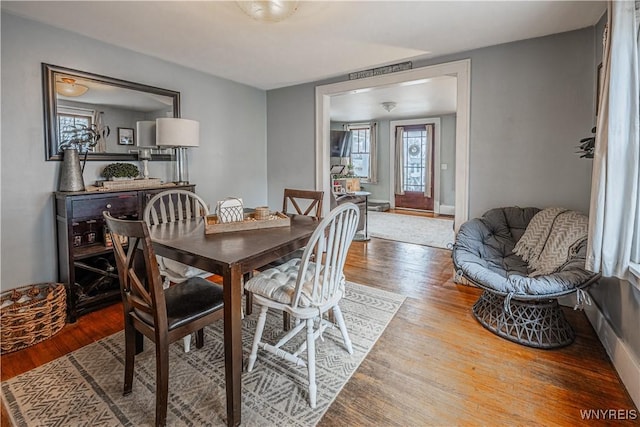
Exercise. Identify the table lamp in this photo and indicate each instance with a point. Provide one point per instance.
(178, 134)
(146, 140)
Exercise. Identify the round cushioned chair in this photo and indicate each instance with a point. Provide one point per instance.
(514, 305)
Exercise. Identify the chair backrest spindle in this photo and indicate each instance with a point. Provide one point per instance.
(174, 205)
(330, 243)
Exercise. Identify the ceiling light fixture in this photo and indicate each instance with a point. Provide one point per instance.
(69, 87)
(269, 10)
(389, 106)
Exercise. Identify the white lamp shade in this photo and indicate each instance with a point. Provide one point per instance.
(146, 133)
(177, 132)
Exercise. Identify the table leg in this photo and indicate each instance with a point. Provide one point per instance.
(232, 285)
(366, 217)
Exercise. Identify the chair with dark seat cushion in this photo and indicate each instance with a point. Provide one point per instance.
(163, 316)
(516, 305)
(171, 206)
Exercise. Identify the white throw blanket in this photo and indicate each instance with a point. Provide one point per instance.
(551, 238)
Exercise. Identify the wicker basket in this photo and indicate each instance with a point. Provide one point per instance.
(31, 314)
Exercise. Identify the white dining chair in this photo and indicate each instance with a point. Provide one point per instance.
(306, 288)
(172, 206)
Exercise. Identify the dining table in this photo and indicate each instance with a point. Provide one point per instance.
(231, 255)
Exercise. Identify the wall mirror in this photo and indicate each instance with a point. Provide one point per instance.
(75, 101)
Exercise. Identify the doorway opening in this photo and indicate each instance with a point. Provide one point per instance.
(458, 69)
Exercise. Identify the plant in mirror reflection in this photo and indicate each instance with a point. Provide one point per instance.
(83, 138)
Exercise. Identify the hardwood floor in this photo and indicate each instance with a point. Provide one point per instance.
(434, 364)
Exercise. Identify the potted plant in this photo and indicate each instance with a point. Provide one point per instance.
(587, 146)
(76, 139)
(116, 171)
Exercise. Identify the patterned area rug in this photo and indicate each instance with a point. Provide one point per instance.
(420, 230)
(84, 388)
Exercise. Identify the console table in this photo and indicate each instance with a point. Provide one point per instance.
(85, 264)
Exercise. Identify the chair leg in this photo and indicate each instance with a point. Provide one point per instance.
(286, 321)
(343, 328)
(186, 342)
(200, 338)
(162, 381)
(311, 363)
(248, 303)
(129, 357)
(248, 295)
(262, 318)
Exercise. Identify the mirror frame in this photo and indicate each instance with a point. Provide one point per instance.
(50, 110)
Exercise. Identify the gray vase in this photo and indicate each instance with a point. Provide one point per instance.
(70, 172)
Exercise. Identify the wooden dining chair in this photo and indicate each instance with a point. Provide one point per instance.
(296, 202)
(162, 315)
(304, 202)
(307, 288)
(171, 206)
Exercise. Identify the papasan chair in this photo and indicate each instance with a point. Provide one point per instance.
(523, 281)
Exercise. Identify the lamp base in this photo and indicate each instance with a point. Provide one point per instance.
(182, 175)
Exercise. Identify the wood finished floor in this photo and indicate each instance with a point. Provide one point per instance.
(434, 364)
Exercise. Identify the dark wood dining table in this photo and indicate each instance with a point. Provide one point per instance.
(231, 255)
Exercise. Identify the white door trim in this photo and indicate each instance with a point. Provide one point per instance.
(436, 158)
(459, 69)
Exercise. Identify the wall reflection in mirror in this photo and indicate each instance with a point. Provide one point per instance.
(98, 114)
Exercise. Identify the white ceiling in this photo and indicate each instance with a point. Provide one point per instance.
(322, 39)
(433, 97)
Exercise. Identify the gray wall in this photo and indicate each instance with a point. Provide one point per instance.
(291, 157)
(532, 100)
(448, 156)
(231, 159)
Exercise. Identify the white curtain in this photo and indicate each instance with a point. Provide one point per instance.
(428, 161)
(373, 153)
(614, 223)
(399, 162)
(98, 120)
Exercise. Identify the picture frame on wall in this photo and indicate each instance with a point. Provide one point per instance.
(126, 136)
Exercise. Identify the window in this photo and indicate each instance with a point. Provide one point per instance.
(363, 149)
(70, 118)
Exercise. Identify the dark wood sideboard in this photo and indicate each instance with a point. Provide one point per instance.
(86, 265)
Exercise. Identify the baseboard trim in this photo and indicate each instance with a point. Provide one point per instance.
(626, 365)
(447, 210)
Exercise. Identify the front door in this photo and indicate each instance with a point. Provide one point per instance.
(417, 176)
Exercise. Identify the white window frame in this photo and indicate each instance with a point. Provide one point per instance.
(367, 125)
